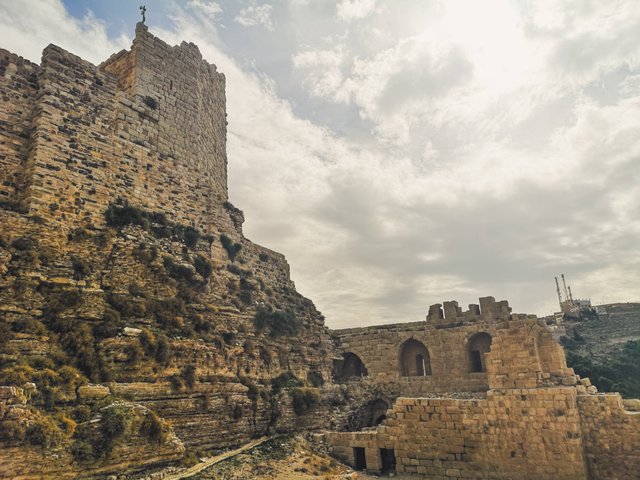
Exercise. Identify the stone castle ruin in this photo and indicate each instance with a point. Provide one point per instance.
(128, 293)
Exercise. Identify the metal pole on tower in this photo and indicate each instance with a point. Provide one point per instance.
(564, 285)
(558, 290)
(570, 295)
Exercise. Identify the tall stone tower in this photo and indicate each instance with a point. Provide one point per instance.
(147, 126)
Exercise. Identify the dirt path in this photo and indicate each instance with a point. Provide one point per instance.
(219, 458)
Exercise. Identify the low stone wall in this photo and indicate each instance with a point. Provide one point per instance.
(545, 433)
(611, 437)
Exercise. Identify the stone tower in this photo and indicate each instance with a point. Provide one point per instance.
(147, 126)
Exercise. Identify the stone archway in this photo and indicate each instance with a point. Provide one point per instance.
(352, 368)
(478, 345)
(414, 359)
(378, 412)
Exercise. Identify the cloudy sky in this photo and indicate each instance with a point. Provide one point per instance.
(401, 153)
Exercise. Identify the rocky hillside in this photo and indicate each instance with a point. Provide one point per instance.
(606, 348)
(130, 345)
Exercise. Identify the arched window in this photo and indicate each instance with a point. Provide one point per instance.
(414, 359)
(352, 368)
(479, 344)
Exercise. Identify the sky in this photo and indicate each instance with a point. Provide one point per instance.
(402, 153)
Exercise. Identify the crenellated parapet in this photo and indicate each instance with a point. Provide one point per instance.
(448, 314)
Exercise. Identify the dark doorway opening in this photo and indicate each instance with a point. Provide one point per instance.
(479, 344)
(379, 420)
(476, 361)
(388, 457)
(359, 458)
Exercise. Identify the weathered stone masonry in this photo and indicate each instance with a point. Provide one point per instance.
(477, 394)
(537, 419)
(147, 126)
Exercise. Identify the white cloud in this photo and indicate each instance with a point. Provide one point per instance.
(210, 8)
(323, 72)
(348, 10)
(254, 15)
(29, 26)
(497, 159)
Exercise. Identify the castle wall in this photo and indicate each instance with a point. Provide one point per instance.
(547, 433)
(18, 88)
(379, 348)
(514, 434)
(148, 126)
(519, 352)
(611, 437)
(68, 174)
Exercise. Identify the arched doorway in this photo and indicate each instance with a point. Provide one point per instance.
(414, 359)
(478, 345)
(352, 368)
(367, 415)
(378, 412)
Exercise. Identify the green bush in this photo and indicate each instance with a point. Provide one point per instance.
(153, 429)
(237, 411)
(203, 266)
(61, 300)
(6, 333)
(304, 399)
(178, 271)
(620, 373)
(24, 243)
(116, 421)
(134, 352)
(190, 236)
(121, 214)
(278, 322)
(285, 380)
(315, 379)
(31, 325)
(81, 413)
(77, 339)
(109, 326)
(145, 254)
(201, 324)
(127, 306)
(43, 432)
(124, 214)
(12, 432)
(232, 248)
(176, 382)
(82, 450)
(166, 311)
(81, 268)
(253, 389)
(163, 350)
(190, 459)
(188, 374)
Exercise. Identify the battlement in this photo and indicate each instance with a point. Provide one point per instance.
(147, 126)
(452, 315)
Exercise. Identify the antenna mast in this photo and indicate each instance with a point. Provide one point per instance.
(558, 290)
(570, 295)
(564, 284)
